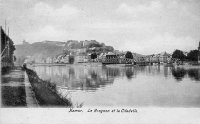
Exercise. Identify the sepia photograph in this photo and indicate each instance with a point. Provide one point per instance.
(100, 60)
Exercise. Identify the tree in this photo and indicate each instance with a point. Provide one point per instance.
(193, 55)
(178, 54)
(129, 55)
(93, 56)
(71, 59)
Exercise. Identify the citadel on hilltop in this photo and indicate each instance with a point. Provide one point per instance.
(61, 52)
(86, 51)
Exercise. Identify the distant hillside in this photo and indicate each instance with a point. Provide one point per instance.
(45, 48)
(38, 50)
(42, 50)
(89, 46)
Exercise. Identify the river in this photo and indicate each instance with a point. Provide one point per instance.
(139, 86)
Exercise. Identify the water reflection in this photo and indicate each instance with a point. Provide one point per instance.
(81, 77)
(132, 86)
(129, 73)
(194, 74)
(92, 78)
(180, 73)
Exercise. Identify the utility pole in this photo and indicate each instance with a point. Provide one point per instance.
(8, 43)
(5, 25)
(8, 31)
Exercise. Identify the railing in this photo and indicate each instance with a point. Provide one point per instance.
(118, 61)
(4, 51)
(111, 61)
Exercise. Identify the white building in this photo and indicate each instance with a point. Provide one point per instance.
(164, 57)
(64, 59)
(81, 58)
(49, 60)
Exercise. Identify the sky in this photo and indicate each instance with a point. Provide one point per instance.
(142, 26)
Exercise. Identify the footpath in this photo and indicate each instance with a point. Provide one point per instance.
(16, 90)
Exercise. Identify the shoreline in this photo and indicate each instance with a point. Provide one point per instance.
(46, 92)
(113, 65)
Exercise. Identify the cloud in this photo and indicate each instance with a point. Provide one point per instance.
(159, 25)
(47, 22)
(124, 8)
(160, 43)
(45, 12)
(140, 26)
(45, 33)
(170, 42)
(152, 7)
(43, 9)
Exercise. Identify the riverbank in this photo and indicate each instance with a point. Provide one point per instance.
(48, 64)
(46, 92)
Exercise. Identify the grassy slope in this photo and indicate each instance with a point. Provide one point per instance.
(46, 92)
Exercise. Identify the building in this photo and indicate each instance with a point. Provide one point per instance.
(65, 59)
(141, 59)
(40, 60)
(54, 60)
(49, 60)
(61, 59)
(29, 59)
(81, 59)
(151, 58)
(111, 55)
(110, 58)
(164, 57)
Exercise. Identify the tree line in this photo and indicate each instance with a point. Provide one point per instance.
(191, 56)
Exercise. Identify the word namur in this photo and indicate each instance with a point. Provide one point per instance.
(75, 110)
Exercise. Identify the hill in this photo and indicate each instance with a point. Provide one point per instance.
(44, 49)
(38, 50)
